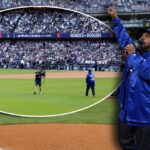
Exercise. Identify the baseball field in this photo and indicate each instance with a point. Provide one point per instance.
(63, 92)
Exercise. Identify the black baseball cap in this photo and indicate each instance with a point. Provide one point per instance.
(145, 30)
(141, 31)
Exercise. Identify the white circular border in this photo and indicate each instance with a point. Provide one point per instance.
(72, 112)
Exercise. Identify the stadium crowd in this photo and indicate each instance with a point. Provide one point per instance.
(89, 6)
(48, 21)
(29, 54)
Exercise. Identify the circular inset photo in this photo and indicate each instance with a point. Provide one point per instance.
(55, 61)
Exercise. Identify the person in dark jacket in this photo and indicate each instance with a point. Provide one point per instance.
(134, 97)
(90, 83)
(39, 75)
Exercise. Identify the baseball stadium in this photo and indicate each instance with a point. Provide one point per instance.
(65, 39)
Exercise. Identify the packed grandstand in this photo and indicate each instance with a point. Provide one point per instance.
(87, 6)
(47, 21)
(59, 39)
(60, 52)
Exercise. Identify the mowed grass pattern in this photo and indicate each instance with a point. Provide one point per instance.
(59, 95)
(105, 112)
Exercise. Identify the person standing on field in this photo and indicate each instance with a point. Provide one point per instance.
(39, 75)
(90, 83)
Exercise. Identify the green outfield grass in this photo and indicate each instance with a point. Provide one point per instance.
(59, 95)
(105, 112)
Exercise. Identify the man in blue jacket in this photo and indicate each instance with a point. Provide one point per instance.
(134, 98)
(90, 82)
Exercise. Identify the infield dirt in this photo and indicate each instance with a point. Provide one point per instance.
(58, 137)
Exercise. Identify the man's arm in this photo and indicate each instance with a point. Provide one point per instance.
(120, 32)
(87, 79)
(44, 74)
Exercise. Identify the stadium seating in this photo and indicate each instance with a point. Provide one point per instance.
(29, 54)
(88, 6)
(46, 21)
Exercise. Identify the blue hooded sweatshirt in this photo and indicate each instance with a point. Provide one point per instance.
(90, 79)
